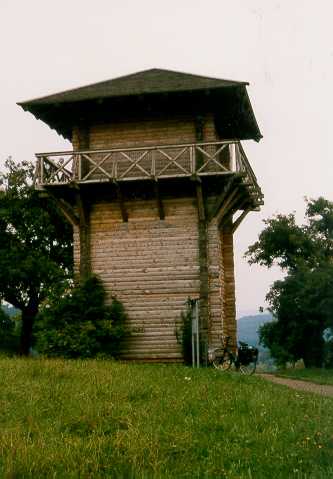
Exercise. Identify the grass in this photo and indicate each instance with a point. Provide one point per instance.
(100, 419)
(319, 376)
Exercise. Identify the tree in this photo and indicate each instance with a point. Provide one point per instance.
(35, 246)
(302, 302)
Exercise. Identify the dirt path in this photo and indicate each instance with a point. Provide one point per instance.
(324, 390)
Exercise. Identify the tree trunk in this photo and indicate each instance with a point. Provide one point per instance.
(28, 317)
(313, 355)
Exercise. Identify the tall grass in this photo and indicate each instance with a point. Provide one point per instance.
(100, 419)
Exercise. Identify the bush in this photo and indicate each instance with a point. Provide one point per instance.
(184, 332)
(81, 324)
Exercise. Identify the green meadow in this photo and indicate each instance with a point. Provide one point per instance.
(102, 419)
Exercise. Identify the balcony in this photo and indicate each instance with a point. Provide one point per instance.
(196, 160)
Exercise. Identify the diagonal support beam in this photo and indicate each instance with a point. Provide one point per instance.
(66, 208)
(68, 212)
(227, 204)
(238, 221)
(238, 202)
(221, 198)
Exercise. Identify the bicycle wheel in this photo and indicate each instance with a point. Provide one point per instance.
(222, 360)
(248, 368)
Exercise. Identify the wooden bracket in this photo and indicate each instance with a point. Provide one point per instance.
(227, 204)
(120, 198)
(68, 212)
(236, 202)
(238, 221)
(159, 201)
(214, 210)
(66, 209)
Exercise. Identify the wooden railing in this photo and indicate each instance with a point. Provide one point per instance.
(155, 162)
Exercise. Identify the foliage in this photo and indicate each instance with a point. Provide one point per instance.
(9, 333)
(302, 302)
(94, 418)
(184, 332)
(328, 353)
(81, 324)
(270, 337)
(35, 246)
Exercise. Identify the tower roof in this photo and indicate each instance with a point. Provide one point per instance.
(60, 110)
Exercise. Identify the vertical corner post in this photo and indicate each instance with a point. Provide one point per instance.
(203, 250)
(84, 233)
(229, 326)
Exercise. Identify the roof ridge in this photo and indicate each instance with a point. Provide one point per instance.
(128, 76)
(199, 76)
(80, 87)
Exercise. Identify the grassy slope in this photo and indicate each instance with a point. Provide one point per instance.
(320, 376)
(92, 419)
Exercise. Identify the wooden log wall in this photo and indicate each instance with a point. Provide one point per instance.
(151, 264)
(143, 132)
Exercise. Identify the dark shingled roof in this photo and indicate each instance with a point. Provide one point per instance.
(140, 83)
(150, 92)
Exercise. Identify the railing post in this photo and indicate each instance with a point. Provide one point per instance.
(116, 169)
(42, 169)
(232, 154)
(192, 159)
(153, 164)
(79, 167)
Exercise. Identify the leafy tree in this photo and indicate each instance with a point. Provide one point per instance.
(35, 246)
(81, 324)
(302, 302)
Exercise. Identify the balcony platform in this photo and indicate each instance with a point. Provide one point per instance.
(210, 163)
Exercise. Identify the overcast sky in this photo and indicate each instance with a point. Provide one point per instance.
(283, 48)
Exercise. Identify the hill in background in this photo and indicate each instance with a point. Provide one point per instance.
(248, 327)
(9, 310)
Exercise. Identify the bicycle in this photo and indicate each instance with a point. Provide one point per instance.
(244, 360)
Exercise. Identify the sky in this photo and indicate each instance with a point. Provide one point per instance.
(284, 49)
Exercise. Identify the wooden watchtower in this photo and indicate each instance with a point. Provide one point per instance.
(155, 186)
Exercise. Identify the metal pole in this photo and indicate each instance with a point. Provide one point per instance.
(192, 337)
(197, 325)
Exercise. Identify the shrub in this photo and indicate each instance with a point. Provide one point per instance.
(184, 332)
(81, 324)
